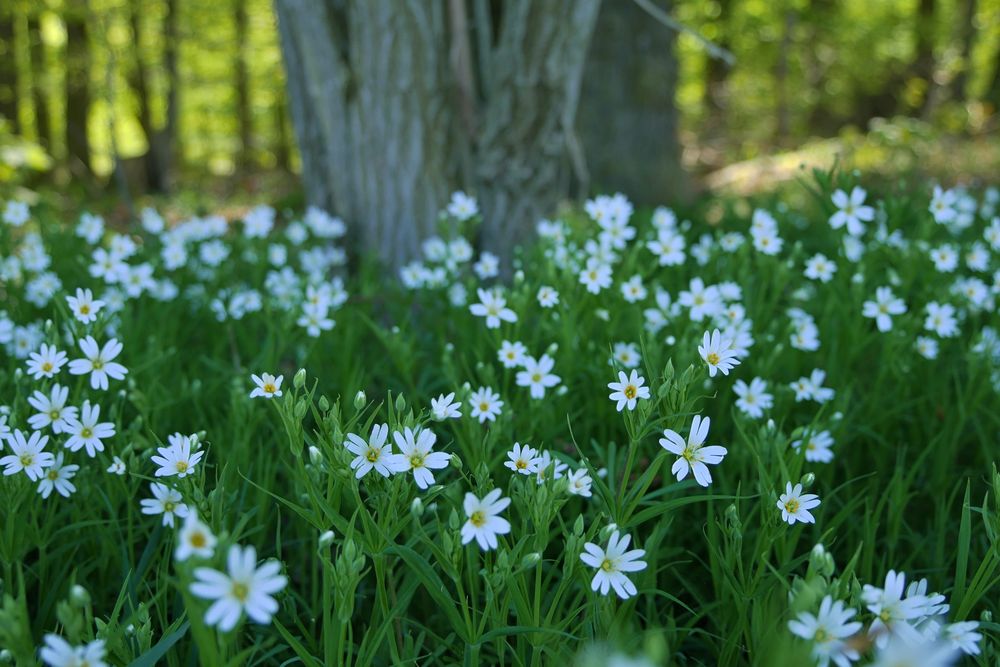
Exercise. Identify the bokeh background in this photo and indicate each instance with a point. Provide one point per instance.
(188, 98)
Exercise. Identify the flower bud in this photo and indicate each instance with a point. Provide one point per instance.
(400, 404)
(531, 560)
(360, 400)
(608, 530)
(808, 480)
(299, 379)
(578, 526)
(417, 508)
(79, 596)
(324, 404)
(315, 456)
(300, 409)
(326, 539)
(6, 656)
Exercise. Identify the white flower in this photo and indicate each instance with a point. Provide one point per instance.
(612, 563)
(523, 459)
(194, 539)
(46, 362)
(927, 347)
(268, 385)
(52, 410)
(964, 637)
(718, 353)
(485, 404)
(56, 477)
(852, 211)
(417, 455)
(827, 631)
(633, 289)
(883, 308)
(493, 307)
(445, 407)
(83, 306)
(117, 466)
(27, 455)
(511, 355)
(165, 501)
(16, 213)
(98, 362)
(703, 301)
(537, 376)
(753, 398)
(811, 388)
(57, 652)
(579, 483)
(376, 454)
(818, 267)
(245, 587)
(941, 319)
(626, 354)
(894, 613)
(87, 431)
(628, 390)
(817, 447)
(462, 206)
(596, 276)
(547, 296)
(693, 455)
(482, 519)
(920, 652)
(668, 246)
(795, 505)
(177, 459)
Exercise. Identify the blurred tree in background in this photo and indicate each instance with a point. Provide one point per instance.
(174, 91)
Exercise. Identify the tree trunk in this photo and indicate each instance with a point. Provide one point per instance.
(243, 111)
(77, 89)
(628, 119)
(379, 121)
(169, 137)
(40, 83)
(155, 161)
(8, 69)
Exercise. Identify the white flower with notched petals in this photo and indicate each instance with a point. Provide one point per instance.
(57, 652)
(537, 375)
(963, 636)
(795, 505)
(896, 614)
(27, 455)
(485, 404)
(99, 362)
(523, 459)
(376, 454)
(243, 588)
(52, 410)
(611, 563)
(818, 267)
(628, 390)
(753, 398)
(117, 466)
(165, 501)
(851, 211)
(828, 631)
(84, 306)
(633, 290)
(46, 362)
(16, 213)
(547, 297)
(268, 385)
(693, 455)
(817, 447)
(579, 483)
(883, 308)
(462, 206)
(88, 431)
(177, 458)
(511, 354)
(493, 307)
(418, 455)
(596, 276)
(194, 539)
(718, 353)
(445, 407)
(57, 478)
(483, 521)
(941, 319)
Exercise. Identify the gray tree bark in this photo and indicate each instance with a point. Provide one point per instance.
(390, 113)
(628, 119)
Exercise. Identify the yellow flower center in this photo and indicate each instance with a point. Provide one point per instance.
(86, 432)
(688, 454)
(792, 506)
(182, 466)
(478, 519)
(713, 358)
(84, 309)
(198, 540)
(53, 415)
(521, 464)
(537, 377)
(821, 636)
(27, 459)
(240, 591)
(97, 364)
(52, 474)
(47, 366)
(169, 507)
(269, 388)
(373, 454)
(885, 616)
(630, 391)
(417, 460)
(607, 565)
(484, 406)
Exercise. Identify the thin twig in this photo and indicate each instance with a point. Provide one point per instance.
(711, 47)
